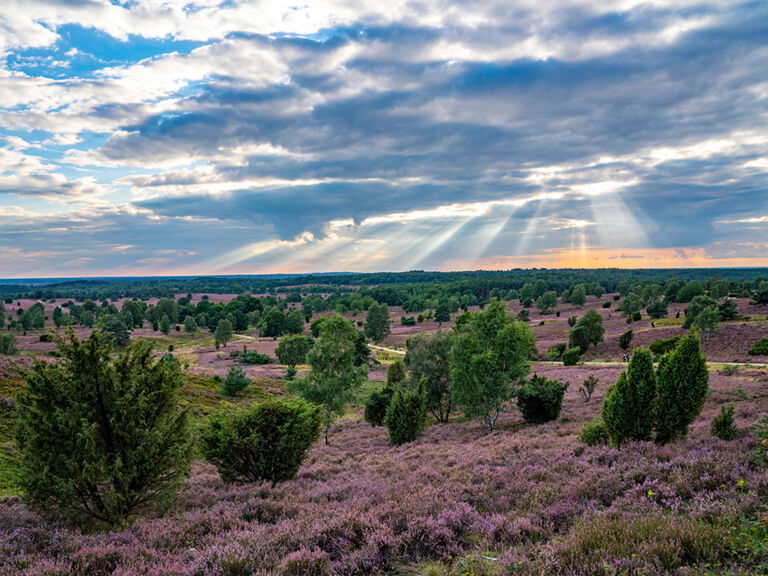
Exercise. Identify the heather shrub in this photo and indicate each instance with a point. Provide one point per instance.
(236, 381)
(406, 415)
(571, 357)
(305, 562)
(683, 385)
(101, 439)
(722, 425)
(628, 407)
(760, 454)
(759, 348)
(377, 404)
(556, 351)
(266, 441)
(541, 399)
(594, 433)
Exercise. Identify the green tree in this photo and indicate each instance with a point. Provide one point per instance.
(541, 399)
(428, 358)
(294, 322)
(657, 309)
(165, 307)
(578, 337)
(546, 302)
(102, 440)
(579, 295)
(223, 333)
(266, 441)
(592, 323)
(442, 312)
(719, 288)
(377, 322)
(165, 324)
(190, 325)
(628, 408)
(272, 323)
(58, 317)
(333, 376)
(396, 373)
(293, 349)
(690, 291)
(631, 304)
(707, 322)
(236, 381)
(488, 356)
(727, 310)
(115, 330)
(625, 339)
(683, 385)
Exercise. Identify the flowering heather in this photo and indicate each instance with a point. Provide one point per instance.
(533, 498)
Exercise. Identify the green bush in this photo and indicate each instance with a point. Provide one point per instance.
(541, 399)
(235, 382)
(683, 385)
(406, 415)
(663, 345)
(256, 358)
(625, 339)
(377, 405)
(408, 321)
(8, 344)
(571, 357)
(266, 441)
(594, 433)
(46, 338)
(556, 351)
(102, 439)
(759, 348)
(722, 425)
(629, 405)
(607, 304)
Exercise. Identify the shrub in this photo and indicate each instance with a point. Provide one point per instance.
(407, 321)
(628, 407)
(406, 415)
(572, 321)
(588, 387)
(663, 345)
(235, 382)
(625, 339)
(607, 304)
(759, 455)
(254, 357)
(46, 338)
(541, 399)
(759, 348)
(594, 433)
(102, 439)
(657, 309)
(579, 338)
(683, 385)
(556, 351)
(636, 316)
(377, 405)
(266, 441)
(524, 316)
(8, 344)
(293, 349)
(722, 425)
(571, 357)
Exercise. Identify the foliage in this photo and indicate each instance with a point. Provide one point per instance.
(592, 323)
(541, 399)
(406, 415)
(272, 323)
(629, 405)
(722, 425)
(657, 309)
(377, 404)
(683, 385)
(253, 357)
(546, 302)
(488, 355)
(8, 344)
(696, 307)
(223, 333)
(293, 349)
(690, 291)
(377, 322)
(760, 454)
(588, 388)
(236, 381)
(578, 337)
(572, 356)
(630, 305)
(625, 339)
(396, 373)
(706, 321)
(266, 441)
(190, 325)
(594, 433)
(101, 440)
(428, 358)
(333, 376)
(165, 324)
(759, 348)
(663, 345)
(727, 310)
(556, 351)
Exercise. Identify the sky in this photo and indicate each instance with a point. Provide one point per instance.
(170, 137)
